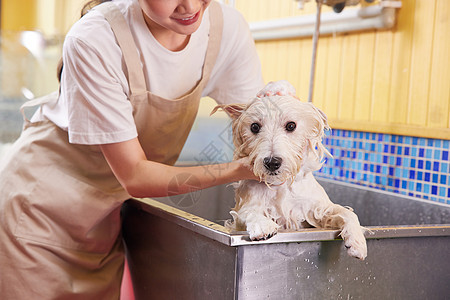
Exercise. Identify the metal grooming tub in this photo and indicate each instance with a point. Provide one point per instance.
(177, 248)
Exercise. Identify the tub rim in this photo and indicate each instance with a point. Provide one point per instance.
(221, 234)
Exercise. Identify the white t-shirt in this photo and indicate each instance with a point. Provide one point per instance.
(94, 107)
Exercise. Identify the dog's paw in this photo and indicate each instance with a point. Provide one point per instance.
(355, 242)
(262, 229)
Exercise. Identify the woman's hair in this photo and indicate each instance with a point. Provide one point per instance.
(86, 8)
(90, 4)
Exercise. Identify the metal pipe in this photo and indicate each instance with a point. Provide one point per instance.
(314, 51)
(309, 20)
(371, 17)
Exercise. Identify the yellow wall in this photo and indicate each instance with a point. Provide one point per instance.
(18, 14)
(21, 68)
(393, 81)
(47, 16)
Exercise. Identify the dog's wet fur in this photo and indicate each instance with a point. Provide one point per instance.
(282, 139)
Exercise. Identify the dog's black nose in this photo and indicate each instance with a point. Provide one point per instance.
(272, 163)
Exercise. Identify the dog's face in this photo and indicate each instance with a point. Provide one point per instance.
(279, 134)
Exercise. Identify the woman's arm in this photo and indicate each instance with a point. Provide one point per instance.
(143, 178)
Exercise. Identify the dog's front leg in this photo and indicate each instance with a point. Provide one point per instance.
(259, 226)
(250, 212)
(337, 216)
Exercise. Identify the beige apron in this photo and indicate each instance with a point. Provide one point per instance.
(60, 203)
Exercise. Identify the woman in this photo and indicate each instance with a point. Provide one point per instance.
(134, 72)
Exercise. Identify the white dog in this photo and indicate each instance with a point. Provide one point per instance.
(282, 139)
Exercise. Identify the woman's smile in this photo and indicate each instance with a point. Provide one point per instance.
(187, 20)
(173, 21)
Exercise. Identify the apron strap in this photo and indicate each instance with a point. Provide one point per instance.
(215, 38)
(37, 101)
(121, 30)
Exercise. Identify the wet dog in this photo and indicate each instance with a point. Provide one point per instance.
(281, 137)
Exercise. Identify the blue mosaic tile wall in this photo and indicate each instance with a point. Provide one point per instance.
(412, 166)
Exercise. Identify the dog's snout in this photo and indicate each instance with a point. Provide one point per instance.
(272, 163)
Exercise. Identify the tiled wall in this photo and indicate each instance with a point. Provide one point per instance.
(412, 166)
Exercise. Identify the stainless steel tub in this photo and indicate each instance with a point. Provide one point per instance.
(178, 249)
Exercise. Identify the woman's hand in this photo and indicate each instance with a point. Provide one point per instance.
(246, 170)
(280, 88)
(143, 178)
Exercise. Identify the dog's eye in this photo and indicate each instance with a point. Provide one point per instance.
(290, 126)
(255, 127)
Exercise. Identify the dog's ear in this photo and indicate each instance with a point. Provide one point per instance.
(233, 110)
(316, 135)
(322, 117)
